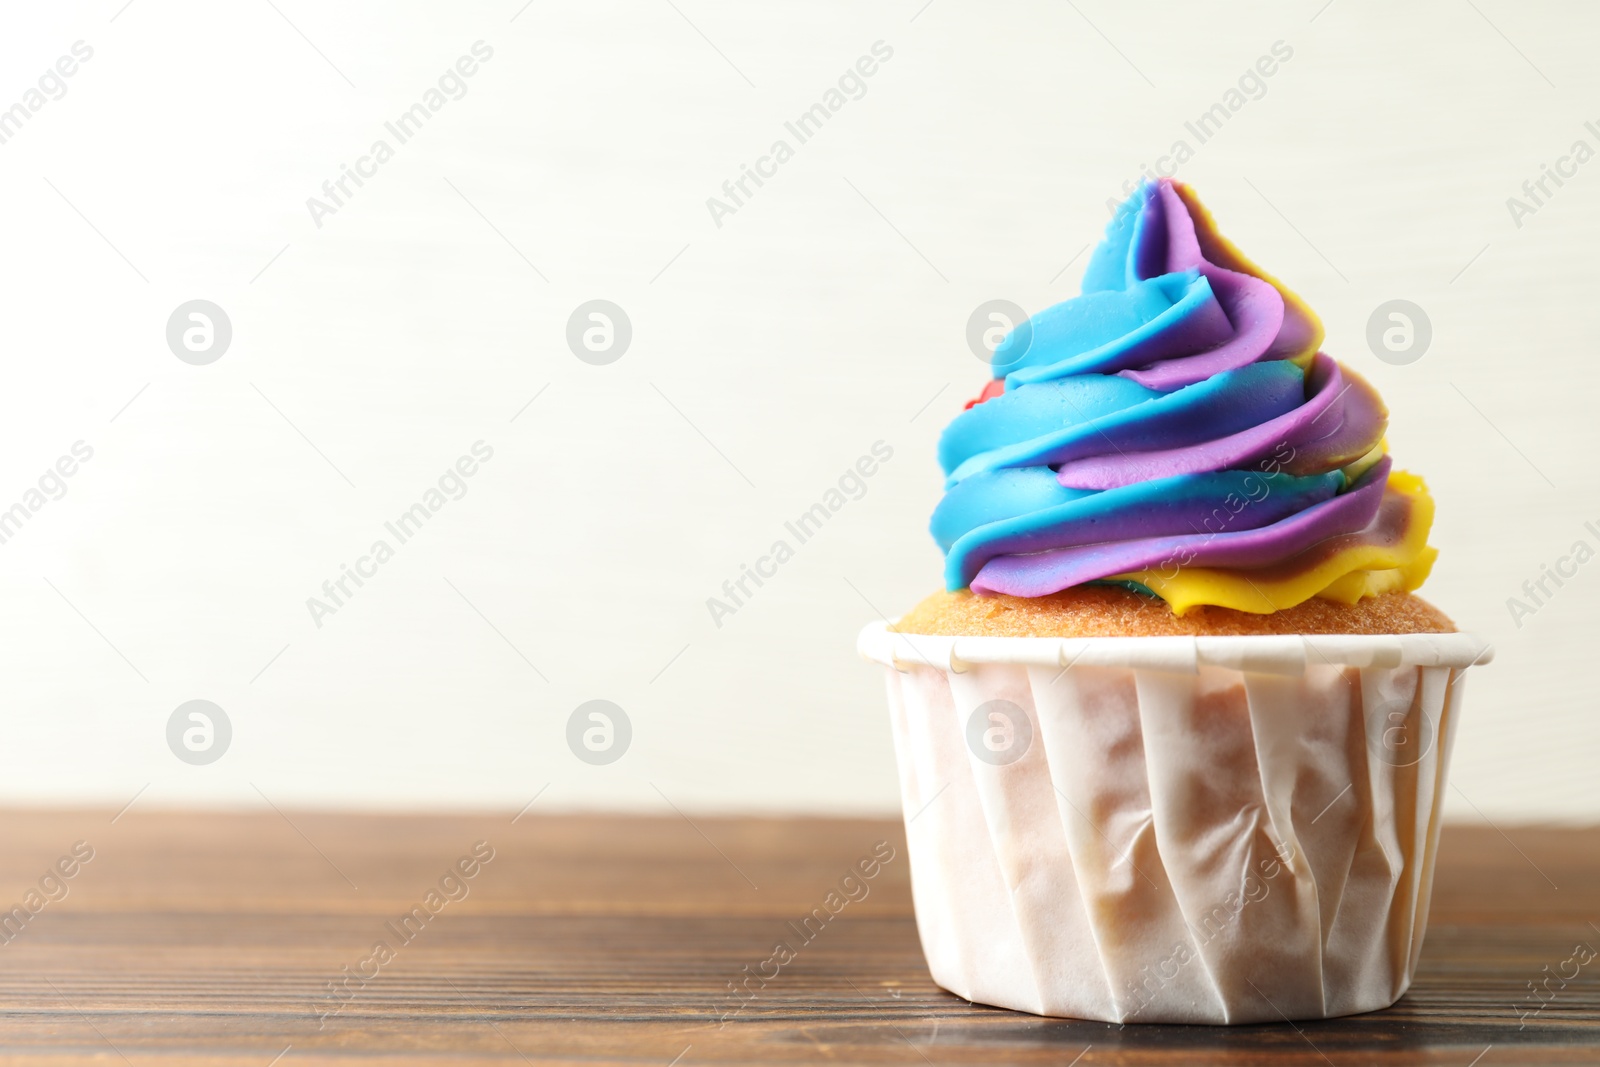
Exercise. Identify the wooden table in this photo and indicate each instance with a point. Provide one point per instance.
(213, 939)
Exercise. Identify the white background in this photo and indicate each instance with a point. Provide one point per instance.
(823, 316)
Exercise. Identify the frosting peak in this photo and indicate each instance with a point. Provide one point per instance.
(1176, 429)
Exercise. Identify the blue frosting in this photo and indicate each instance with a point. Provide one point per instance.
(1167, 363)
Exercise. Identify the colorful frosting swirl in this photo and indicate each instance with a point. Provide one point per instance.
(1176, 429)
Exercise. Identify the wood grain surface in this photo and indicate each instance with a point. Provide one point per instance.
(213, 939)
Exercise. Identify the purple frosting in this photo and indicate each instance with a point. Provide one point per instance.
(1129, 415)
(1042, 573)
(1336, 425)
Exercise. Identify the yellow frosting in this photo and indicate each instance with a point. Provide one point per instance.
(1348, 575)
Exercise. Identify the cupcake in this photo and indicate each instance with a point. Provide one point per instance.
(1172, 739)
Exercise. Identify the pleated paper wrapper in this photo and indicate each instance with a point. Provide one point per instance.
(1177, 830)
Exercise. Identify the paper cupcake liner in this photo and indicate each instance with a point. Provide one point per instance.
(1178, 830)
